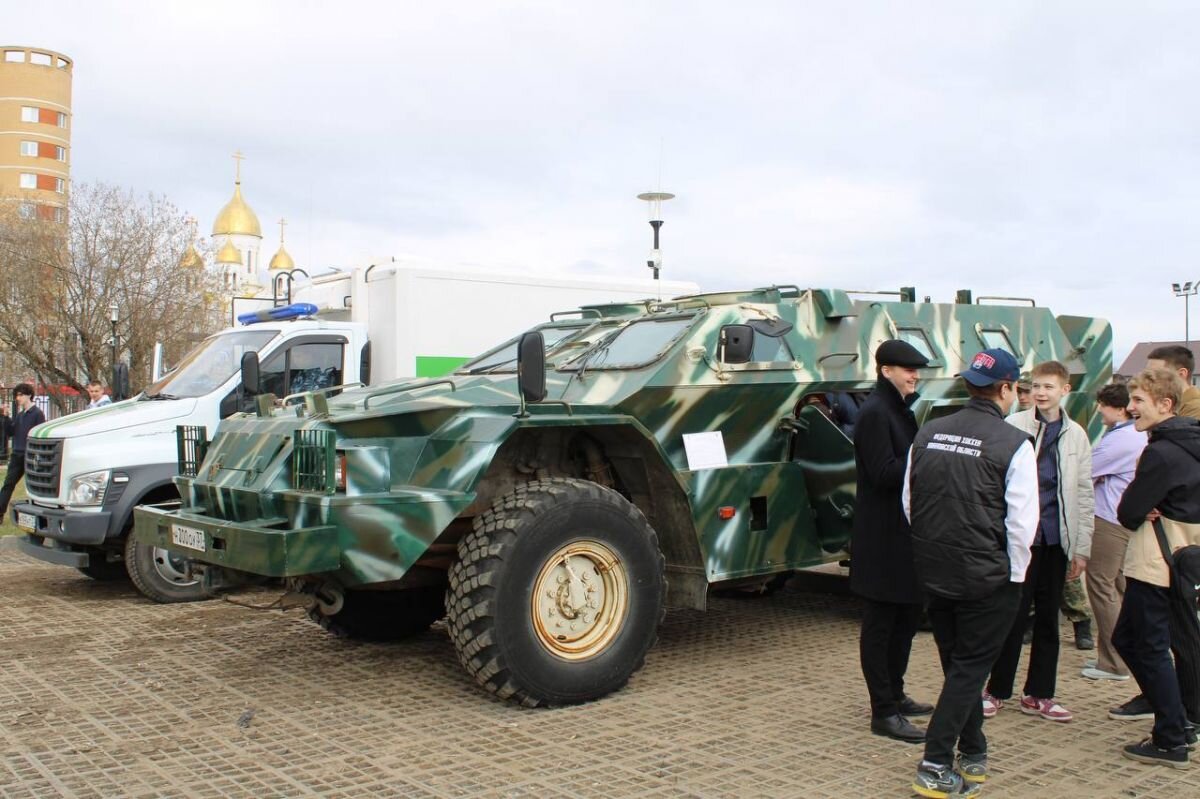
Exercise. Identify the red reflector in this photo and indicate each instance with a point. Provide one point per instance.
(725, 513)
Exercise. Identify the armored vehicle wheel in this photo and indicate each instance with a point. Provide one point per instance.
(160, 574)
(101, 569)
(384, 615)
(557, 593)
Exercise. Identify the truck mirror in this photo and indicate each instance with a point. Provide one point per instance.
(737, 342)
(531, 367)
(250, 382)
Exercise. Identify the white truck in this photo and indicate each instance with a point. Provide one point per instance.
(85, 472)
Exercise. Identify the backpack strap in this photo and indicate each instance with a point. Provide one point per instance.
(1161, 534)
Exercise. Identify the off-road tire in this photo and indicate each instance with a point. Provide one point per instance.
(384, 615)
(151, 580)
(490, 602)
(101, 569)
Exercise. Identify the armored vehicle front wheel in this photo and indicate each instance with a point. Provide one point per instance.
(557, 593)
(161, 574)
(384, 615)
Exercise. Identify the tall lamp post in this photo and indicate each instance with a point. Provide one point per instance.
(113, 317)
(655, 200)
(1186, 290)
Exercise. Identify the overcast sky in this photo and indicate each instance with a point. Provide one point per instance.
(1014, 148)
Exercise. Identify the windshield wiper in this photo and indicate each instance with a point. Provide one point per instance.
(483, 370)
(159, 396)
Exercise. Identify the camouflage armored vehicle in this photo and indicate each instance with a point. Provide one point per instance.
(639, 455)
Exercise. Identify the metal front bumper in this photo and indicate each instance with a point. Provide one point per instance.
(257, 549)
(69, 526)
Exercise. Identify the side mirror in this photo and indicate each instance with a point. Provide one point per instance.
(250, 381)
(737, 342)
(531, 367)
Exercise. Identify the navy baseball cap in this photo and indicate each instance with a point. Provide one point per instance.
(991, 366)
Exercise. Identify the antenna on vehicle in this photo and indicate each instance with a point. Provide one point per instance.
(655, 199)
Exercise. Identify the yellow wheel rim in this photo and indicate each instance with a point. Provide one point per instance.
(580, 600)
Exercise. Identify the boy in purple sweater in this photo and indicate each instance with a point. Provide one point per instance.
(1114, 461)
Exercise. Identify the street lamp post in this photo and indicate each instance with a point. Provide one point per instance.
(1186, 290)
(113, 317)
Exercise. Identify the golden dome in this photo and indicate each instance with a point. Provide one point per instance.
(237, 217)
(228, 254)
(282, 261)
(191, 258)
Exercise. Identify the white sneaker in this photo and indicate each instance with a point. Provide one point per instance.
(1101, 674)
(1090, 663)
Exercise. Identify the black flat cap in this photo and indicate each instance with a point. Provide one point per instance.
(899, 353)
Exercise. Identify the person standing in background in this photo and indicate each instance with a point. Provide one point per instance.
(28, 417)
(1113, 463)
(881, 567)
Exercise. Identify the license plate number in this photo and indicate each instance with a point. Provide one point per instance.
(26, 521)
(188, 537)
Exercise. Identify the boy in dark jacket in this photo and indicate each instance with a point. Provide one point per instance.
(28, 417)
(1165, 489)
(881, 565)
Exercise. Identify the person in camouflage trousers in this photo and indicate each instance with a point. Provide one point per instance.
(1075, 608)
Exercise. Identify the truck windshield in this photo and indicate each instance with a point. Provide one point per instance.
(504, 357)
(210, 365)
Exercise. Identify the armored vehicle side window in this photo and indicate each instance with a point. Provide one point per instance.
(997, 339)
(917, 338)
(637, 344)
(303, 367)
(770, 350)
(504, 357)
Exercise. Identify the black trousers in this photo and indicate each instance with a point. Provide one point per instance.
(16, 470)
(1143, 639)
(884, 644)
(1042, 589)
(1185, 645)
(969, 635)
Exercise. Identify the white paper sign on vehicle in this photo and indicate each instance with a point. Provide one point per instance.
(705, 450)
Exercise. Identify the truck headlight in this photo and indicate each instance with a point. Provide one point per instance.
(88, 489)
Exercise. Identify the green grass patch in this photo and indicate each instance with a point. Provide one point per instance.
(8, 528)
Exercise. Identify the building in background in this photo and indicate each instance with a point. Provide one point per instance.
(1136, 360)
(35, 131)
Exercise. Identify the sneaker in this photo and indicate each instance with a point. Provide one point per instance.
(1189, 733)
(991, 705)
(940, 782)
(1046, 708)
(1133, 710)
(1093, 673)
(1090, 663)
(973, 768)
(1148, 752)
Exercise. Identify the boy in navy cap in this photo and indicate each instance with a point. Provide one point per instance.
(971, 495)
(881, 566)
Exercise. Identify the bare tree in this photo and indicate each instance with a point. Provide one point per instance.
(58, 282)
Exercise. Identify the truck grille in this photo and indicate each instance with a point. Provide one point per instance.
(43, 466)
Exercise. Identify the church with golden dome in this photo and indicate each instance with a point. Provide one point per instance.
(237, 238)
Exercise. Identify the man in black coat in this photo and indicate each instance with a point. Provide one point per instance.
(881, 565)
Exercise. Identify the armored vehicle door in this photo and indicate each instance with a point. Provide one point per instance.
(826, 457)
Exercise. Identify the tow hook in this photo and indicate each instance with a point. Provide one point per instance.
(330, 599)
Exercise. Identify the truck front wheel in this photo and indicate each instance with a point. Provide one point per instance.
(160, 574)
(557, 593)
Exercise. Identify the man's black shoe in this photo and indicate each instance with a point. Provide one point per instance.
(1083, 635)
(1133, 710)
(911, 707)
(1148, 752)
(899, 728)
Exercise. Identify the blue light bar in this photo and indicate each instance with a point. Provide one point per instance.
(293, 311)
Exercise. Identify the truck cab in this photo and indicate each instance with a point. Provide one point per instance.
(86, 472)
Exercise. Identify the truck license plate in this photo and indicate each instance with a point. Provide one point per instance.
(188, 537)
(26, 521)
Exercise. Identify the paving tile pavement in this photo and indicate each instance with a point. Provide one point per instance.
(105, 694)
